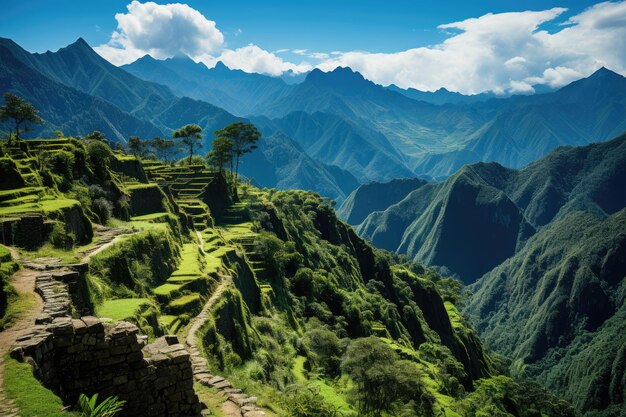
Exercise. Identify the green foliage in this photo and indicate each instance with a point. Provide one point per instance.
(100, 156)
(243, 137)
(326, 350)
(222, 152)
(136, 146)
(61, 238)
(502, 397)
(108, 408)
(162, 148)
(190, 136)
(32, 398)
(306, 401)
(102, 208)
(19, 112)
(382, 381)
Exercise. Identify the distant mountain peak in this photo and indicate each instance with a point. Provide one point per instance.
(220, 66)
(341, 78)
(604, 72)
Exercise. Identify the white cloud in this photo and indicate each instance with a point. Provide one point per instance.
(506, 52)
(503, 53)
(251, 58)
(161, 30)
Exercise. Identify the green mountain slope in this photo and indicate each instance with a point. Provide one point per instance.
(375, 196)
(80, 92)
(557, 308)
(368, 155)
(483, 214)
(65, 108)
(526, 128)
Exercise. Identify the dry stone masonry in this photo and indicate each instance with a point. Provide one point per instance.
(74, 356)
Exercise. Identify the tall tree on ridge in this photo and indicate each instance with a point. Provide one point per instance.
(20, 111)
(222, 152)
(162, 147)
(244, 137)
(190, 136)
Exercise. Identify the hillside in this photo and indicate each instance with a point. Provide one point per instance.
(556, 308)
(57, 102)
(483, 214)
(273, 292)
(375, 196)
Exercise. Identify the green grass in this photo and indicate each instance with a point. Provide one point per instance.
(121, 309)
(330, 394)
(185, 300)
(212, 398)
(166, 289)
(66, 256)
(41, 206)
(29, 395)
(159, 217)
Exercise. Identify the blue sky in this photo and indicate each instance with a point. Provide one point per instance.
(501, 42)
(325, 25)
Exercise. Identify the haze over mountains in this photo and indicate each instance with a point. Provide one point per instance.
(344, 129)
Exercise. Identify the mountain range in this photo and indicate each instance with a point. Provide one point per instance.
(436, 133)
(77, 91)
(321, 116)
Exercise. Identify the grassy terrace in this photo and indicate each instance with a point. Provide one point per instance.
(122, 309)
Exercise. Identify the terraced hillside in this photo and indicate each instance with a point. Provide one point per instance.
(257, 289)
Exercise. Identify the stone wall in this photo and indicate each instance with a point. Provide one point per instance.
(146, 199)
(74, 356)
(28, 231)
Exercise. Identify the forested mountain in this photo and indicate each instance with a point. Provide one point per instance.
(328, 138)
(557, 309)
(66, 108)
(375, 196)
(435, 133)
(484, 213)
(545, 249)
(272, 292)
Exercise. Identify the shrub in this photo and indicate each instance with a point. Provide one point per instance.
(61, 238)
(107, 408)
(306, 401)
(326, 350)
(100, 155)
(102, 208)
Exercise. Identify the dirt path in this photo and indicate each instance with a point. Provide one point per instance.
(24, 283)
(106, 237)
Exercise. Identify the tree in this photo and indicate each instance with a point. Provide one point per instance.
(190, 136)
(96, 135)
(222, 152)
(20, 111)
(244, 137)
(383, 382)
(326, 349)
(136, 146)
(162, 147)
